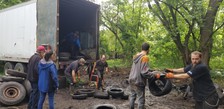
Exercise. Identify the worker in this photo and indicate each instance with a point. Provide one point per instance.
(204, 91)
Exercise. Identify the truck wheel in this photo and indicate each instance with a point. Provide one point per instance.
(16, 73)
(89, 92)
(79, 96)
(8, 65)
(27, 86)
(7, 78)
(104, 106)
(20, 67)
(12, 93)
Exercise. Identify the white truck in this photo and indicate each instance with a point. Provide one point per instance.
(25, 26)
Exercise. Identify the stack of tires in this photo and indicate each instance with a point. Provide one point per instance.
(14, 87)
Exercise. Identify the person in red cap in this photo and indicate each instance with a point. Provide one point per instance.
(32, 76)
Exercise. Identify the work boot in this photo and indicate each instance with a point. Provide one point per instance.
(71, 89)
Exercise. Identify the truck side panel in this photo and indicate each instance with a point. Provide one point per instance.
(18, 32)
(47, 22)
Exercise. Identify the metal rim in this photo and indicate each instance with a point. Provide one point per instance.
(11, 92)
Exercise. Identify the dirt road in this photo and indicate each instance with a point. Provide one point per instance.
(64, 101)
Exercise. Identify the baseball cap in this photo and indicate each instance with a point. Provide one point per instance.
(41, 48)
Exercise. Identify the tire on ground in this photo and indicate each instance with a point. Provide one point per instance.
(116, 92)
(159, 87)
(12, 93)
(20, 67)
(8, 65)
(27, 86)
(79, 96)
(16, 73)
(104, 106)
(7, 78)
(125, 97)
(101, 95)
(89, 92)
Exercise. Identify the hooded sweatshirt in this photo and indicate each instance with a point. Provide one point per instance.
(140, 71)
(48, 79)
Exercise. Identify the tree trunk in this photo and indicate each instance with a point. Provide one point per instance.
(206, 30)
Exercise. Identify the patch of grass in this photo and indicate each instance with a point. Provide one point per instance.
(118, 63)
(217, 77)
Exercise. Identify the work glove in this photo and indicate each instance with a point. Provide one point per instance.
(168, 70)
(167, 75)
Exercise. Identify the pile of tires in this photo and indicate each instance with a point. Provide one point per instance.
(82, 94)
(14, 87)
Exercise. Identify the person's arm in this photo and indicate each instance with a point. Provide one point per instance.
(179, 70)
(94, 66)
(107, 69)
(54, 75)
(181, 76)
(145, 68)
(73, 76)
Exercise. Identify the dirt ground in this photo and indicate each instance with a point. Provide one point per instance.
(117, 78)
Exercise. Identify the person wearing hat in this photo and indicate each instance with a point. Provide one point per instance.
(71, 71)
(32, 76)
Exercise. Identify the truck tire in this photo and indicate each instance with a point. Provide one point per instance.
(27, 85)
(79, 96)
(89, 92)
(12, 93)
(7, 78)
(104, 106)
(8, 65)
(65, 54)
(116, 92)
(101, 95)
(64, 58)
(16, 73)
(164, 87)
(20, 67)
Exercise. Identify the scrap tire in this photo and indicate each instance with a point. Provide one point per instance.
(79, 96)
(12, 93)
(89, 92)
(20, 67)
(8, 65)
(116, 92)
(64, 58)
(27, 86)
(125, 97)
(157, 90)
(101, 95)
(104, 106)
(16, 73)
(65, 54)
(7, 78)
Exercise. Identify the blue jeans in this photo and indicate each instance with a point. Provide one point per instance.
(34, 96)
(139, 94)
(50, 99)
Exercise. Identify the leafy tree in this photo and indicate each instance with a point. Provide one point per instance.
(191, 24)
(8, 3)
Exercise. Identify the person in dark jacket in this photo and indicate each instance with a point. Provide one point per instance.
(32, 76)
(204, 91)
(139, 73)
(100, 66)
(48, 80)
(71, 72)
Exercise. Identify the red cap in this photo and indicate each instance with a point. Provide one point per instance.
(41, 48)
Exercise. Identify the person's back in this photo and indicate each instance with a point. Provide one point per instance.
(32, 72)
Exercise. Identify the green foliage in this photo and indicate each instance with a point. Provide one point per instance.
(118, 63)
(8, 3)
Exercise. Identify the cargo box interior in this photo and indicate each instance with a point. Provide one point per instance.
(81, 16)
